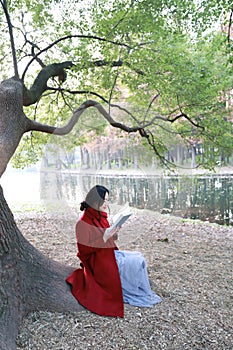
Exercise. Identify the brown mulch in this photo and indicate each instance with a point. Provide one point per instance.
(189, 265)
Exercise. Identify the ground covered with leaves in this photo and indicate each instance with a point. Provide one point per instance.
(189, 265)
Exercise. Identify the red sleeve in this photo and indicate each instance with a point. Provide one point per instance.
(91, 237)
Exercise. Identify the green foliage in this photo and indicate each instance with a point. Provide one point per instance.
(29, 151)
(172, 49)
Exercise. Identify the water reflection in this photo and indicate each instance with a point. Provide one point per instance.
(208, 198)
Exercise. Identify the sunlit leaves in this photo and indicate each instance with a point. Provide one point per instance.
(160, 57)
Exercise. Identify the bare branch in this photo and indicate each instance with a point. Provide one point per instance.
(119, 63)
(112, 88)
(123, 17)
(150, 105)
(77, 92)
(92, 37)
(183, 115)
(229, 28)
(10, 29)
(150, 139)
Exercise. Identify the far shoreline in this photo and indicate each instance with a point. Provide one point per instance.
(144, 172)
(140, 171)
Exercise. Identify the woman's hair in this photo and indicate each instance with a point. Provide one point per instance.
(94, 198)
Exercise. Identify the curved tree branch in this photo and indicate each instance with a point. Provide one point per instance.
(183, 115)
(88, 92)
(168, 119)
(64, 130)
(40, 84)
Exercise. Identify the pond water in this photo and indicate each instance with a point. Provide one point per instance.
(208, 198)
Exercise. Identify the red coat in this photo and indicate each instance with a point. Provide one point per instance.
(96, 285)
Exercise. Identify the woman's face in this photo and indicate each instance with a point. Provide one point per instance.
(104, 206)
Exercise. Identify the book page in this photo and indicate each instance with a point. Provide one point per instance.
(124, 212)
(118, 220)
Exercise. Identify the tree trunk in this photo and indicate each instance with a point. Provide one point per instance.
(13, 121)
(193, 159)
(108, 158)
(28, 280)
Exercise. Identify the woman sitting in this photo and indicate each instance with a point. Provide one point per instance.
(107, 277)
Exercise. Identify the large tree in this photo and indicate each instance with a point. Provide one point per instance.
(148, 56)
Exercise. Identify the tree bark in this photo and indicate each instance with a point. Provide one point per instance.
(39, 86)
(12, 120)
(29, 281)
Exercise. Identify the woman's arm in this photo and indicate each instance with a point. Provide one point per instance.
(93, 237)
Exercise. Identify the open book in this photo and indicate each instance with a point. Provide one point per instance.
(118, 220)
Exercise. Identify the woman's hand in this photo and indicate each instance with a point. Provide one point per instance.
(111, 232)
(115, 236)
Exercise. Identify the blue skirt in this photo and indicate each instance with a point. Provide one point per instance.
(134, 279)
